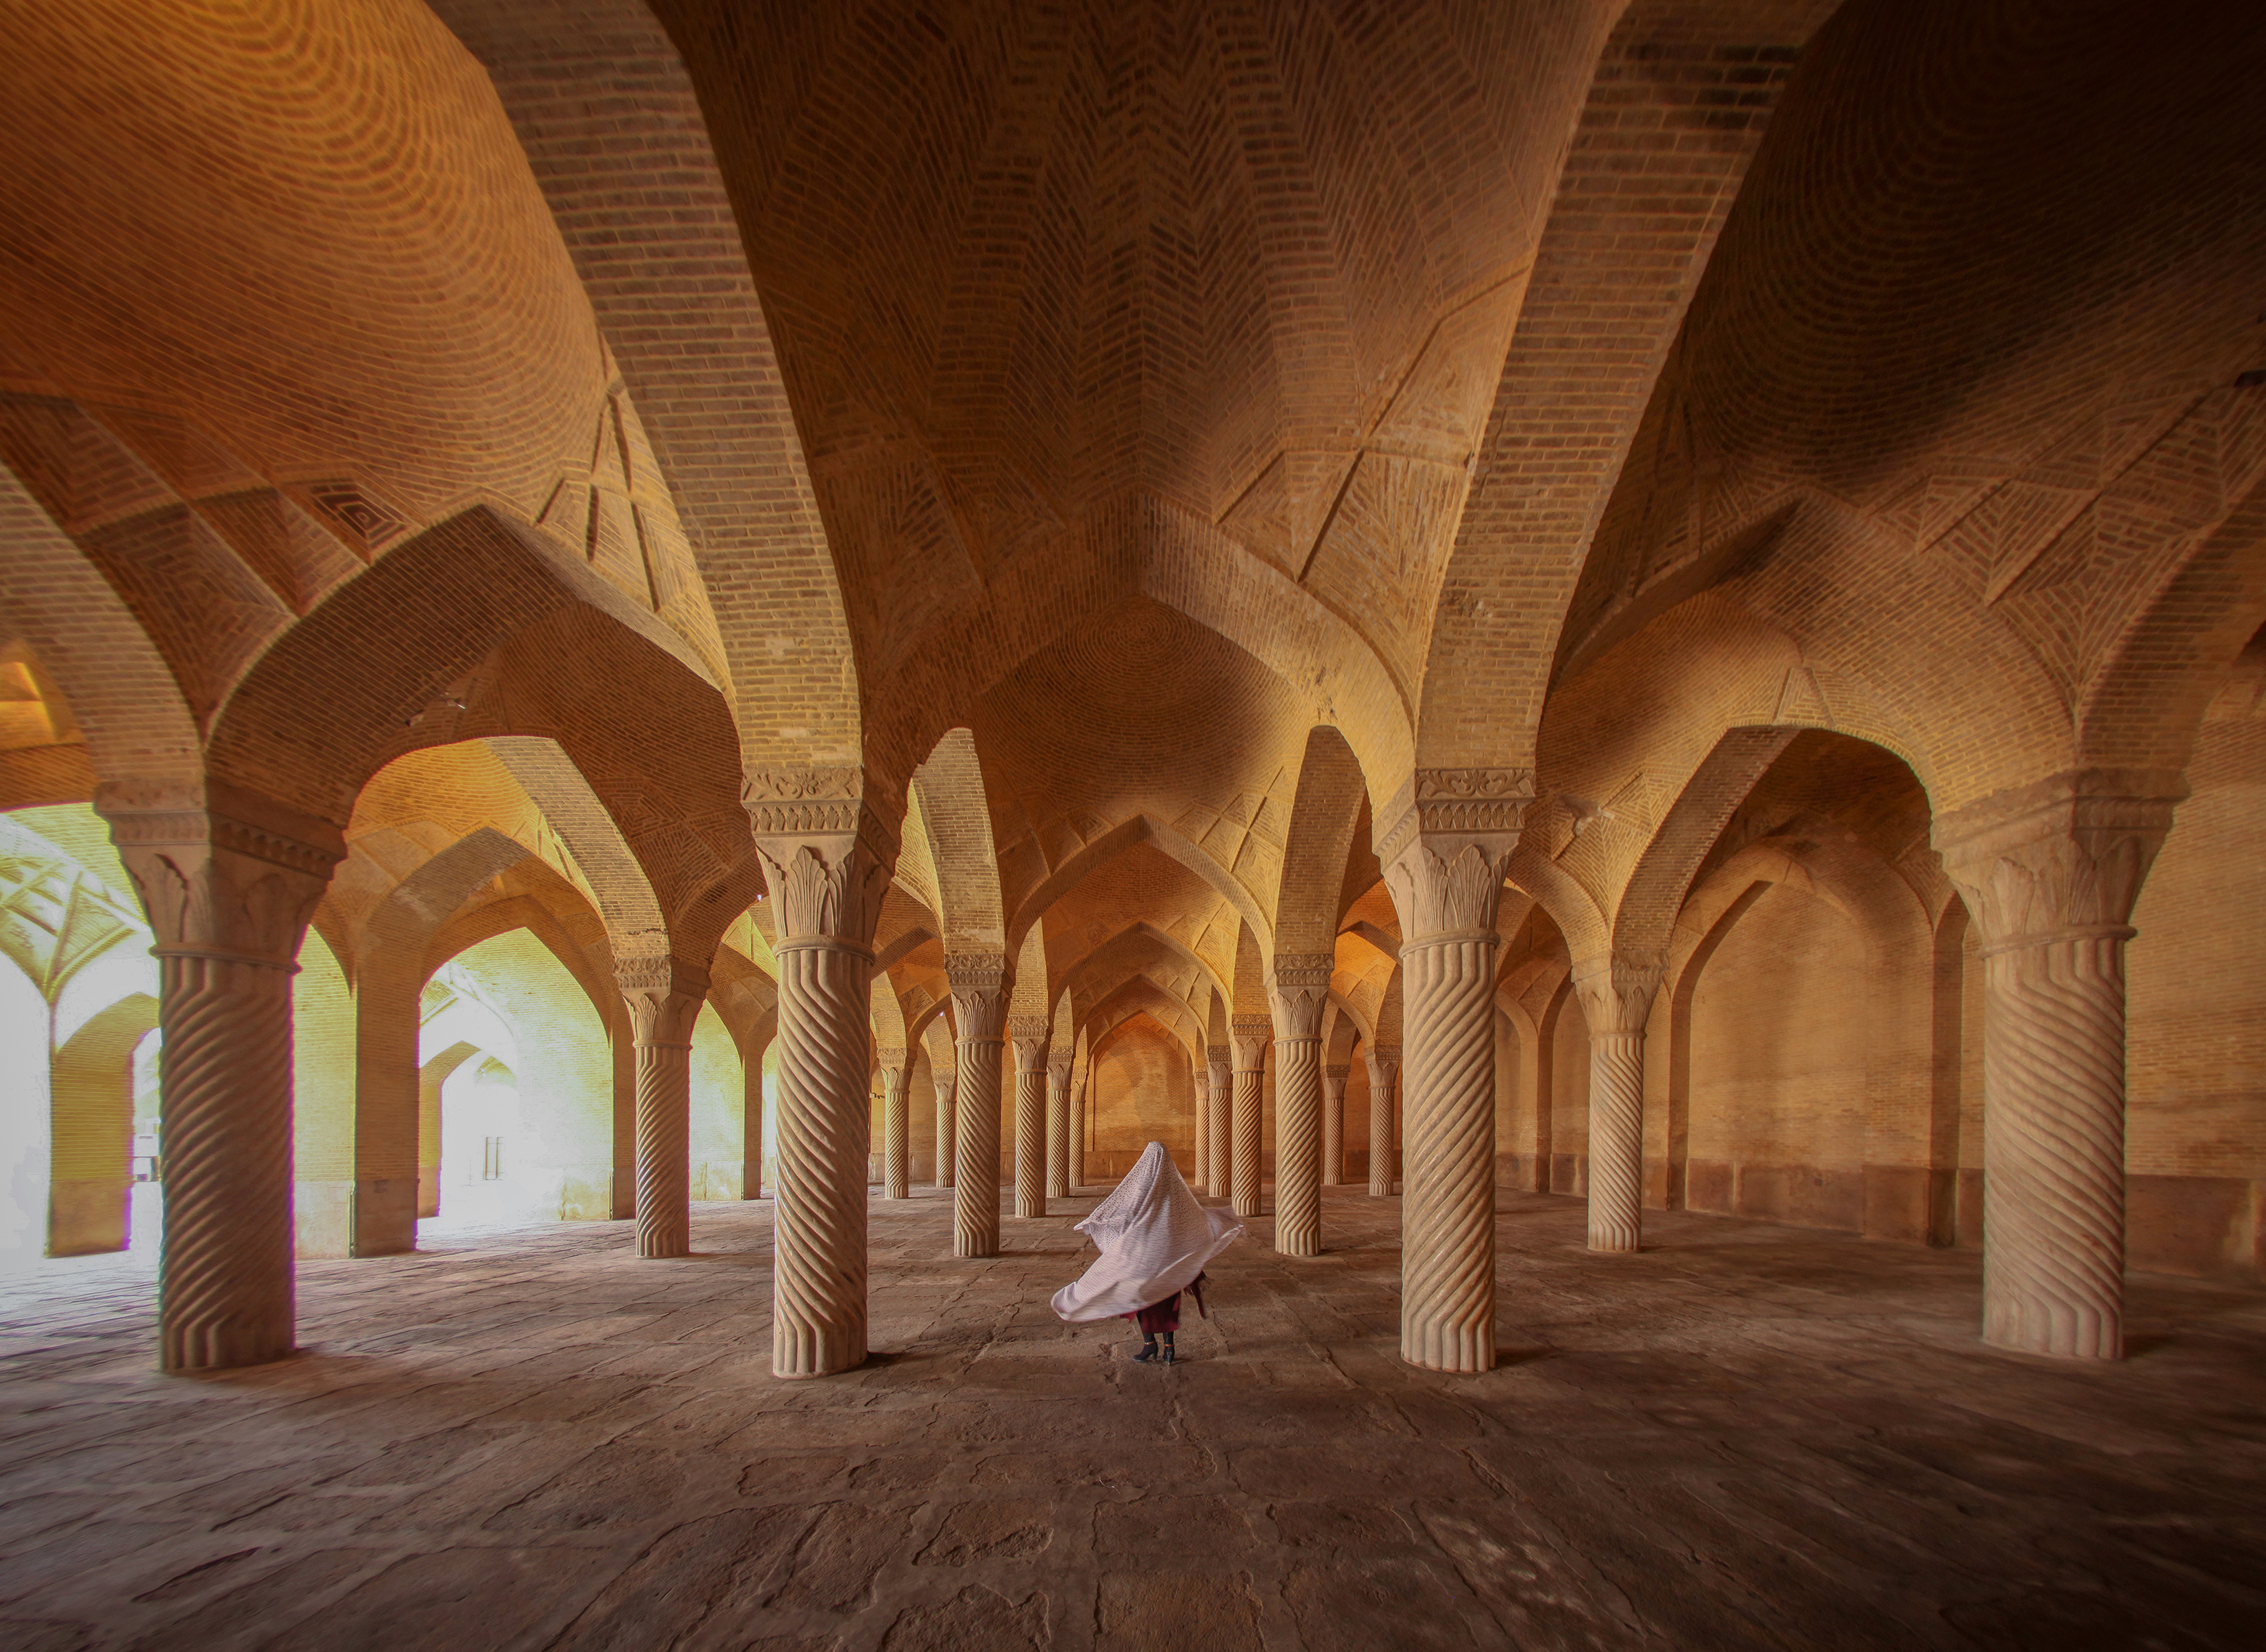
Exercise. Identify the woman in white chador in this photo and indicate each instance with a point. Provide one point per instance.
(1154, 1240)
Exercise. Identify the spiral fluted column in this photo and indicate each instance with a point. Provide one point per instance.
(1617, 994)
(1059, 1181)
(1249, 1036)
(1031, 1048)
(664, 997)
(1383, 1073)
(947, 1082)
(1078, 1105)
(229, 881)
(827, 861)
(1220, 1093)
(225, 1294)
(1444, 862)
(1298, 990)
(896, 1128)
(2050, 873)
(1201, 1179)
(979, 1003)
(1334, 1088)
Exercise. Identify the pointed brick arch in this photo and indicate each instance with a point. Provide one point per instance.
(1139, 829)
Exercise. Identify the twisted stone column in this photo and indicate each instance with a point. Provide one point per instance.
(1333, 1086)
(946, 1083)
(1248, 1034)
(1617, 994)
(1201, 1179)
(664, 997)
(827, 862)
(1298, 991)
(979, 1004)
(1058, 1126)
(896, 1128)
(230, 882)
(1219, 1092)
(1078, 1104)
(2050, 873)
(1029, 1034)
(1383, 1073)
(1444, 861)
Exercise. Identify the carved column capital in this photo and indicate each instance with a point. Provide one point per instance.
(2062, 859)
(889, 1059)
(1058, 1071)
(664, 996)
(1444, 839)
(1031, 1035)
(826, 853)
(1384, 1064)
(1249, 1036)
(1336, 1075)
(223, 873)
(1219, 1064)
(1617, 989)
(1445, 850)
(1298, 990)
(980, 984)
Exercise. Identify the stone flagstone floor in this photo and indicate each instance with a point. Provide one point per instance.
(1747, 1436)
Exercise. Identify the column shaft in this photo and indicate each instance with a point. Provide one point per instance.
(1616, 1141)
(1444, 861)
(1059, 1182)
(229, 880)
(664, 1150)
(1383, 1072)
(1299, 1146)
(1078, 1105)
(1218, 1108)
(664, 997)
(1617, 991)
(1298, 991)
(1334, 1088)
(224, 1288)
(946, 1084)
(979, 998)
(1031, 1121)
(1447, 1286)
(824, 1130)
(897, 1136)
(1251, 1036)
(2050, 873)
(2053, 1147)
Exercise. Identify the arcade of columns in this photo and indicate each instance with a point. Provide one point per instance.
(1331, 591)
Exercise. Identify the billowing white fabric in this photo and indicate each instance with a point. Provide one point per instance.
(1154, 1240)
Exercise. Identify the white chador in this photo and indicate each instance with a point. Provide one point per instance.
(1154, 1240)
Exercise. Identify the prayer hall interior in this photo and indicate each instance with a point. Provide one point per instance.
(672, 671)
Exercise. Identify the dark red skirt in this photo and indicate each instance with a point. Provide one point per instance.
(1159, 1316)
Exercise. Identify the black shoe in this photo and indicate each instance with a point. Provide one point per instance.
(1166, 1358)
(1146, 1354)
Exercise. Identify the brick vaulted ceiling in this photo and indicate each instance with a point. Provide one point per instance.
(1089, 313)
(1032, 269)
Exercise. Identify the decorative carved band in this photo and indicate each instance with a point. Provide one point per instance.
(1454, 802)
(1298, 990)
(980, 983)
(1249, 1036)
